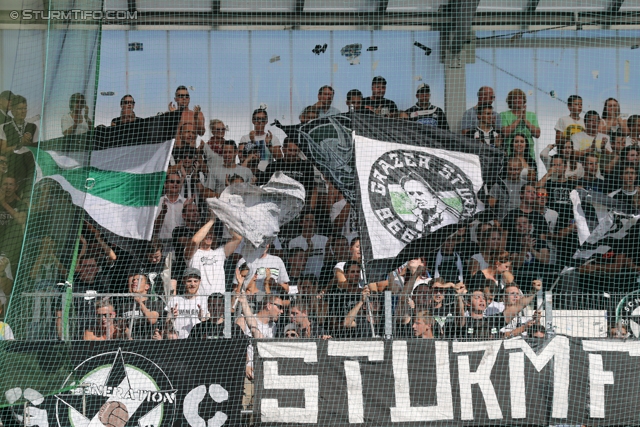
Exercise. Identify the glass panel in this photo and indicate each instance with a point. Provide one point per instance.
(502, 5)
(257, 6)
(172, 5)
(341, 6)
(414, 5)
(571, 5)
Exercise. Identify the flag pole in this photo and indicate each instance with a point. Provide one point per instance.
(68, 296)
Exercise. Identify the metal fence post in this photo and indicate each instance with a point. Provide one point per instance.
(388, 315)
(227, 314)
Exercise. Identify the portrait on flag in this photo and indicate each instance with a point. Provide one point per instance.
(410, 191)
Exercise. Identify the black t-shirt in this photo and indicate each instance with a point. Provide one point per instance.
(627, 200)
(179, 264)
(380, 103)
(486, 328)
(536, 219)
(211, 330)
(443, 321)
(118, 121)
(514, 246)
(595, 184)
(127, 263)
(429, 115)
(133, 317)
(341, 302)
(560, 200)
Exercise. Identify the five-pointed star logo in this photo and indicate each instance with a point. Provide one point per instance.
(84, 409)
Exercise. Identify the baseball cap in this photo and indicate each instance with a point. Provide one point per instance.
(188, 272)
(380, 80)
(423, 88)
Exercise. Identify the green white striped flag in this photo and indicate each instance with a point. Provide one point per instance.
(120, 188)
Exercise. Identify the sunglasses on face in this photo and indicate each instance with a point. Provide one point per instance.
(543, 195)
(182, 95)
(220, 130)
(128, 103)
(278, 305)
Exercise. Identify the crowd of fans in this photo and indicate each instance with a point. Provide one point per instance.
(475, 287)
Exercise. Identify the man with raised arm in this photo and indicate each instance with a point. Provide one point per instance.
(200, 254)
(474, 324)
(516, 323)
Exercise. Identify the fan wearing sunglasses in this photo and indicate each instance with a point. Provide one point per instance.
(267, 144)
(195, 116)
(127, 115)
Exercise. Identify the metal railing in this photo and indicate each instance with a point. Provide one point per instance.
(383, 315)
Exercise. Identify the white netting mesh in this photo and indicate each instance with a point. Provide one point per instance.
(361, 172)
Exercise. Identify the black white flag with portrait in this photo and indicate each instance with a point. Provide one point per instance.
(410, 191)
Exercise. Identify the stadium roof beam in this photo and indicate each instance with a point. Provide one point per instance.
(456, 37)
(482, 20)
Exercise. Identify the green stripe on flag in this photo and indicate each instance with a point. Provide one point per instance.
(122, 188)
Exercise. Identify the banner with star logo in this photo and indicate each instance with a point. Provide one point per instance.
(129, 384)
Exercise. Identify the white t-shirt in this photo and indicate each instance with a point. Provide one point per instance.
(315, 257)
(67, 121)
(494, 308)
(211, 266)
(260, 141)
(268, 330)
(272, 262)
(173, 218)
(188, 313)
(566, 121)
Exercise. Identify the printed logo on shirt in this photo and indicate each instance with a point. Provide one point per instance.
(429, 121)
(207, 260)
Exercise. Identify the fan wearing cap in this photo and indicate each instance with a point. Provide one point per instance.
(426, 113)
(201, 254)
(186, 311)
(377, 102)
